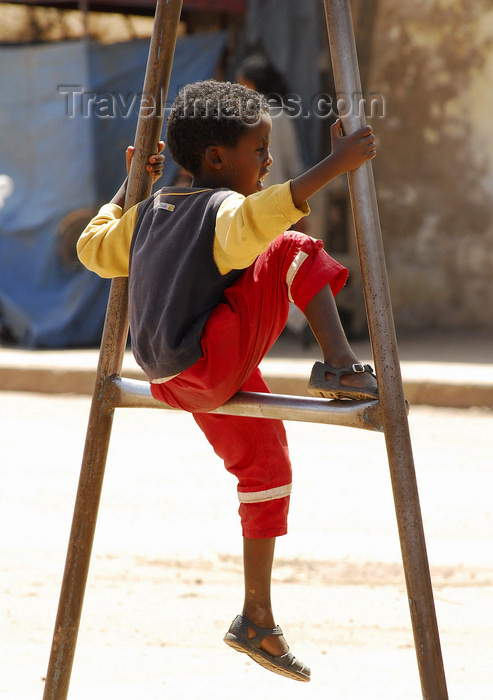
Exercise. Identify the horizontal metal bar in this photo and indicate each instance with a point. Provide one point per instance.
(133, 393)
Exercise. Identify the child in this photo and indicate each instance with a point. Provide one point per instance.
(211, 270)
(258, 73)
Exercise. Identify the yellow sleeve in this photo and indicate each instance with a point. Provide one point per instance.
(104, 246)
(246, 225)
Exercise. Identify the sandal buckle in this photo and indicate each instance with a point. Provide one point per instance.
(358, 367)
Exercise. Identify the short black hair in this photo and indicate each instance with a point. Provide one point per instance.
(210, 113)
(259, 71)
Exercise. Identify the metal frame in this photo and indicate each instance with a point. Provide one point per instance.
(386, 358)
(388, 415)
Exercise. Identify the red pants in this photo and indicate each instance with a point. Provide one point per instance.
(237, 335)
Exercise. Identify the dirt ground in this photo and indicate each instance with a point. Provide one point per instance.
(166, 576)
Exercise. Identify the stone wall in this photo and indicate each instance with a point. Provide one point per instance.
(432, 60)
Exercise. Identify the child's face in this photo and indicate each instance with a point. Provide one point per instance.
(247, 163)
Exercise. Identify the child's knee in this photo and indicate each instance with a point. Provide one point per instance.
(311, 269)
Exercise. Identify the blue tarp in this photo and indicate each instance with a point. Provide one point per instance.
(67, 113)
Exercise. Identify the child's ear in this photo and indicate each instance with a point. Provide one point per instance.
(213, 157)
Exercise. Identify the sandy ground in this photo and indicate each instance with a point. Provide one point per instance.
(166, 576)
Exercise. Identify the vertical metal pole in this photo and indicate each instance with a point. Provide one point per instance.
(160, 59)
(384, 345)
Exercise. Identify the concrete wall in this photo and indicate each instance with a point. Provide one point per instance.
(432, 60)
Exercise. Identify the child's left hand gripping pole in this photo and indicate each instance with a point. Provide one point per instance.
(149, 127)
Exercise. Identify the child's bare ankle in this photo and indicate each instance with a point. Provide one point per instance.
(339, 361)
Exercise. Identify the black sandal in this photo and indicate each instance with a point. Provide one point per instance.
(286, 665)
(333, 389)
